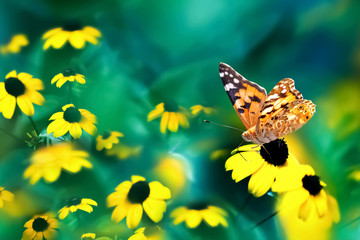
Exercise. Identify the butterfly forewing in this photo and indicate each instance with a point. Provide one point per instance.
(246, 97)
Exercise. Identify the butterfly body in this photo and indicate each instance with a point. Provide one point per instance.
(266, 117)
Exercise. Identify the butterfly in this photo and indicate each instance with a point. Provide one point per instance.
(266, 117)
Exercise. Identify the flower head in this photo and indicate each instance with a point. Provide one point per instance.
(107, 140)
(88, 236)
(75, 204)
(21, 89)
(148, 233)
(47, 162)
(72, 120)
(16, 43)
(261, 163)
(132, 197)
(195, 213)
(171, 116)
(196, 109)
(76, 36)
(67, 75)
(303, 191)
(40, 227)
(5, 196)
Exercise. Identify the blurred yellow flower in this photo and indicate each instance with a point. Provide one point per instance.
(171, 116)
(132, 197)
(303, 191)
(355, 175)
(262, 164)
(193, 215)
(123, 151)
(40, 227)
(67, 75)
(21, 89)
(196, 109)
(16, 43)
(107, 140)
(72, 120)
(148, 233)
(5, 196)
(76, 36)
(47, 162)
(75, 204)
(219, 154)
(88, 236)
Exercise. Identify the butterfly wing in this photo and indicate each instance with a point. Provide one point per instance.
(246, 97)
(284, 111)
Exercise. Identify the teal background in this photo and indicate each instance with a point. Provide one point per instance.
(156, 51)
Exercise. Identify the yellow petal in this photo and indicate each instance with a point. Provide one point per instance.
(134, 215)
(321, 203)
(77, 39)
(164, 122)
(154, 209)
(88, 127)
(6, 195)
(64, 212)
(135, 178)
(8, 104)
(86, 208)
(75, 130)
(293, 199)
(193, 219)
(50, 234)
(262, 180)
(159, 109)
(120, 212)
(183, 121)
(25, 105)
(92, 31)
(243, 164)
(28, 234)
(210, 217)
(306, 209)
(11, 74)
(173, 123)
(51, 32)
(89, 201)
(158, 191)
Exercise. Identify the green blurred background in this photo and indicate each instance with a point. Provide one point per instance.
(156, 51)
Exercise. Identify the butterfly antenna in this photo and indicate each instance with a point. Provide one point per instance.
(222, 125)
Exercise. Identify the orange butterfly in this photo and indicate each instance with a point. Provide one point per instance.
(266, 118)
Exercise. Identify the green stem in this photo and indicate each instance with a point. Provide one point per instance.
(265, 219)
(34, 125)
(247, 200)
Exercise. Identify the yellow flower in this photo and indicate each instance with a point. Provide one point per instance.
(148, 233)
(193, 215)
(67, 75)
(21, 89)
(219, 154)
(107, 140)
(5, 196)
(47, 162)
(123, 151)
(261, 163)
(355, 175)
(40, 227)
(131, 198)
(72, 120)
(76, 36)
(196, 109)
(88, 236)
(75, 204)
(303, 191)
(171, 116)
(16, 43)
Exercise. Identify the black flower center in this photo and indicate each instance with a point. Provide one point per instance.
(139, 192)
(275, 152)
(68, 72)
(74, 201)
(40, 224)
(72, 115)
(151, 230)
(72, 26)
(171, 106)
(198, 206)
(14, 86)
(312, 184)
(106, 135)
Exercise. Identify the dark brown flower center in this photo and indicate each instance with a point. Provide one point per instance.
(275, 152)
(151, 230)
(74, 201)
(139, 192)
(68, 72)
(72, 26)
(198, 206)
(40, 224)
(171, 106)
(72, 115)
(106, 135)
(312, 184)
(14, 86)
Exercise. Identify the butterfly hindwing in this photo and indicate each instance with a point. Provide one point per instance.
(247, 97)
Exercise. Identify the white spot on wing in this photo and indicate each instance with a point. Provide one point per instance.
(221, 74)
(229, 86)
(226, 73)
(236, 80)
(283, 91)
(231, 75)
(275, 96)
